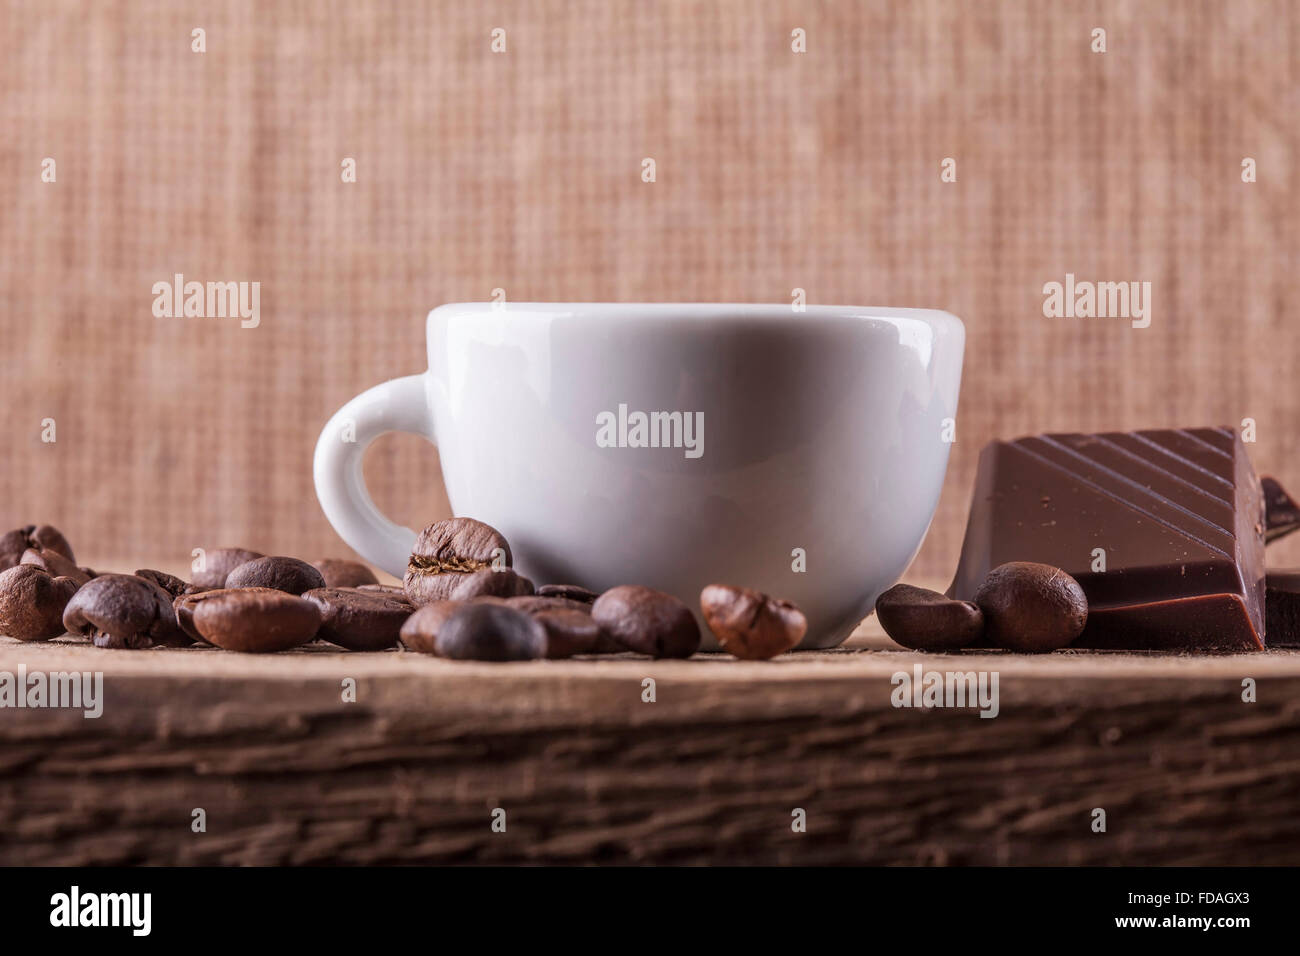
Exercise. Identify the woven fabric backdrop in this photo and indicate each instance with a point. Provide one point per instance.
(521, 170)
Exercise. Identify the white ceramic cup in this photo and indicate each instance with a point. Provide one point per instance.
(799, 453)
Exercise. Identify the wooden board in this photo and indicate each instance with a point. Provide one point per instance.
(710, 772)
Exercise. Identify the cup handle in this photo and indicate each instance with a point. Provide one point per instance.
(399, 405)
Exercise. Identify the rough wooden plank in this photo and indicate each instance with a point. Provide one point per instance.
(710, 772)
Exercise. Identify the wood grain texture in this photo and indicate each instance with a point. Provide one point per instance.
(709, 773)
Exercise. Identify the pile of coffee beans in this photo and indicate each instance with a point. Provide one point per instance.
(1020, 606)
(460, 599)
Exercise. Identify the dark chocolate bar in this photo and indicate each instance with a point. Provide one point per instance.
(1163, 529)
(1282, 608)
(1281, 513)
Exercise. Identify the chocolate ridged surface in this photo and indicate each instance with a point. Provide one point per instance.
(1177, 513)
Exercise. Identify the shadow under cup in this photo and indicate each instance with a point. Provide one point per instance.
(801, 454)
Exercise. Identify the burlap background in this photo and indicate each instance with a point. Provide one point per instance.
(521, 171)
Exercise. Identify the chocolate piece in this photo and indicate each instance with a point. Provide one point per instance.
(1178, 516)
(1282, 608)
(1281, 513)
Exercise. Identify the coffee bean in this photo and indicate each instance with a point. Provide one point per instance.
(1031, 608)
(456, 546)
(53, 563)
(647, 621)
(420, 632)
(123, 611)
(282, 574)
(536, 603)
(219, 562)
(12, 546)
(36, 537)
(750, 624)
(490, 582)
(490, 632)
(926, 620)
(359, 620)
(185, 603)
(32, 603)
(396, 590)
(568, 632)
(423, 589)
(570, 591)
(255, 620)
(344, 574)
(173, 585)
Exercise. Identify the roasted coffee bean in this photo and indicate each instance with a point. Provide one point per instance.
(420, 632)
(185, 603)
(647, 621)
(88, 572)
(1031, 607)
(32, 603)
(449, 548)
(14, 543)
(490, 632)
(423, 589)
(173, 585)
(570, 591)
(536, 603)
(490, 582)
(750, 624)
(282, 574)
(344, 574)
(123, 611)
(255, 620)
(183, 607)
(359, 620)
(12, 546)
(569, 632)
(394, 589)
(219, 562)
(54, 563)
(926, 620)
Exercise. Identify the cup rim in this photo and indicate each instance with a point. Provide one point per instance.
(714, 311)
